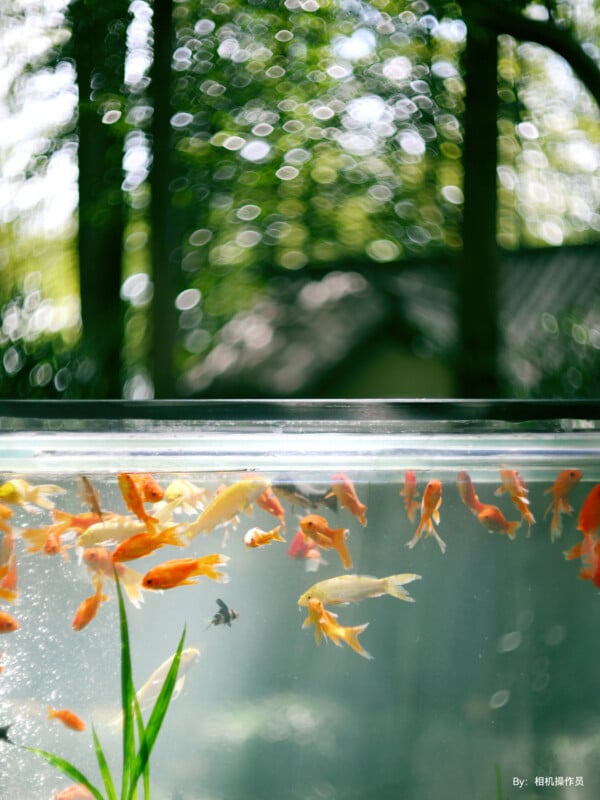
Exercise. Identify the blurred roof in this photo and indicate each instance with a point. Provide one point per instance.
(308, 325)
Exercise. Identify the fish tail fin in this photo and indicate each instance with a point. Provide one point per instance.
(169, 536)
(51, 712)
(40, 492)
(500, 490)
(277, 537)
(552, 505)
(394, 583)
(555, 526)
(575, 552)
(131, 580)
(339, 543)
(36, 537)
(512, 527)
(418, 532)
(205, 565)
(350, 636)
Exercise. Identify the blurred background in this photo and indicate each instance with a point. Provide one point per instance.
(325, 198)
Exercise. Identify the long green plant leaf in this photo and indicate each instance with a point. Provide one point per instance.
(69, 769)
(157, 715)
(127, 699)
(104, 768)
(142, 738)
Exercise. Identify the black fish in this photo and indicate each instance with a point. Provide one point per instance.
(4, 733)
(224, 616)
(304, 495)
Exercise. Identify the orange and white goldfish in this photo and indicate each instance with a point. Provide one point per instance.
(409, 492)
(8, 623)
(142, 544)
(88, 608)
(588, 520)
(180, 571)
(47, 540)
(343, 488)
(191, 497)
(560, 490)
(326, 625)
(134, 499)
(495, 522)
(256, 537)
(317, 528)
(20, 493)
(303, 547)
(430, 513)
(227, 504)
(77, 791)
(268, 502)
(99, 562)
(67, 717)
(467, 492)
(514, 484)
(352, 588)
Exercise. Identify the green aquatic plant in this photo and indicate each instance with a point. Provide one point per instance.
(136, 753)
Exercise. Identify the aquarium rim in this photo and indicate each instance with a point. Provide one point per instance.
(398, 414)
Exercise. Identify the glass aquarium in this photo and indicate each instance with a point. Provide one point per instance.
(388, 600)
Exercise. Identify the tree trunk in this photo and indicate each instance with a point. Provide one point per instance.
(99, 46)
(478, 277)
(164, 273)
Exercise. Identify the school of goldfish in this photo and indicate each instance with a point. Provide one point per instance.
(108, 541)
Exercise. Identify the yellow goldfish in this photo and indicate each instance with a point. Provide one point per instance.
(225, 505)
(191, 497)
(256, 537)
(352, 588)
(20, 493)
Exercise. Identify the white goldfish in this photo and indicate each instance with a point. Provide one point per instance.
(352, 588)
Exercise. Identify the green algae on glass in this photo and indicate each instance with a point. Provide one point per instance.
(136, 757)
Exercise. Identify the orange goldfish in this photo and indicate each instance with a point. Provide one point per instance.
(8, 584)
(134, 499)
(5, 514)
(588, 520)
(513, 483)
(326, 625)
(304, 547)
(180, 571)
(67, 717)
(148, 488)
(99, 561)
(268, 502)
(409, 492)
(495, 522)
(20, 493)
(142, 544)
(467, 492)
(589, 551)
(88, 608)
(227, 504)
(430, 513)
(343, 488)
(256, 537)
(78, 522)
(561, 489)
(7, 547)
(317, 528)
(8, 623)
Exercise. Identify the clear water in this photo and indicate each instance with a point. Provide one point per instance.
(493, 664)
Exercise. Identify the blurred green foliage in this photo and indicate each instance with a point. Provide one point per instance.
(305, 135)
